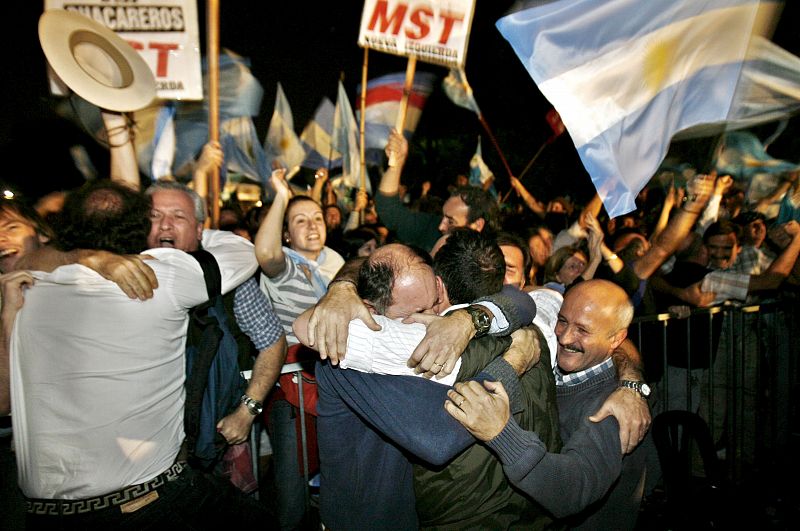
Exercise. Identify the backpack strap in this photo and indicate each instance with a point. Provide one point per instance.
(211, 272)
(210, 336)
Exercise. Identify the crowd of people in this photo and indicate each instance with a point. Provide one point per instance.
(469, 364)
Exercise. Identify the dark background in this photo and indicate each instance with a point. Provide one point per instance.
(308, 46)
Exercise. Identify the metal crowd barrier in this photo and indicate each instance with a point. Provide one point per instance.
(737, 366)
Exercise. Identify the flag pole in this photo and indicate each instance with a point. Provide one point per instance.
(212, 55)
(361, 126)
(407, 87)
(485, 125)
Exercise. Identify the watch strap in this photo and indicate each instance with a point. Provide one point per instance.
(253, 406)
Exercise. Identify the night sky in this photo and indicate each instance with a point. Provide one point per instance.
(308, 47)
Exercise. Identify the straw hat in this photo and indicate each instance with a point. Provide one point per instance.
(94, 62)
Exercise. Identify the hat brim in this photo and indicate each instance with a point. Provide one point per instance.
(60, 32)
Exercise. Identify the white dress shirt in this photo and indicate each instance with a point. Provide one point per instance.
(97, 378)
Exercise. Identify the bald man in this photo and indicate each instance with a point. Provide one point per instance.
(589, 483)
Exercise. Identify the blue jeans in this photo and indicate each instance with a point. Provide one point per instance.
(194, 500)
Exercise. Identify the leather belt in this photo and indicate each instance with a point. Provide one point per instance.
(129, 499)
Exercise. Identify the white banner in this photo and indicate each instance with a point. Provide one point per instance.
(434, 31)
(164, 32)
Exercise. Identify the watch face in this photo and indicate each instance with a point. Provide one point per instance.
(645, 389)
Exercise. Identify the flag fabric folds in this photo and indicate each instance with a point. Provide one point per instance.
(282, 144)
(479, 172)
(457, 88)
(626, 75)
(345, 140)
(316, 139)
(383, 103)
(769, 90)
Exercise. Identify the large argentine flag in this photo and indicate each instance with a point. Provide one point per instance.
(626, 75)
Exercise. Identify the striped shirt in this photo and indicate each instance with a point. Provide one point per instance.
(291, 291)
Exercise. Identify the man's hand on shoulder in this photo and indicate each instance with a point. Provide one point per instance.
(632, 414)
(330, 318)
(129, 272)
(444, 341)
(12, 287)
(524, 351)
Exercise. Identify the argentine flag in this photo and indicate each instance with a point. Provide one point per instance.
(627, 75)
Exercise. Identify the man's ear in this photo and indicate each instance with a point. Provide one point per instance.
(370, 307)
(199, 230)
(42, 238)
(618, 338)
(441, 292)
(478, 224)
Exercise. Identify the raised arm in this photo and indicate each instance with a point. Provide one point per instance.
(678, 228)
(780, 268)
(122, 153)
(397, 152)
(531, 202)
(269, 236)
(211, 158)
(320, 179)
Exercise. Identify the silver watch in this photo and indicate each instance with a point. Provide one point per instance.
(253, 406)
(640, 387)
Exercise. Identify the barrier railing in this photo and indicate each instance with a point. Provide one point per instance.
(737, 366)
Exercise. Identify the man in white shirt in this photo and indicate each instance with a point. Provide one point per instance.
(97, 379)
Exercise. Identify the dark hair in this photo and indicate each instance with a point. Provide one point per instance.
(748, 217)
(293, 201)
(470, 264)
(557, 260)
(722, 228)
(480, 204)
(106, 216)
(376, 276)
(512, 240)
(24, 211)
(352, 240)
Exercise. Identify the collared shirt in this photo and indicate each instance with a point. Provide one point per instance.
(574, 378)
(97, 378)
(387, 350)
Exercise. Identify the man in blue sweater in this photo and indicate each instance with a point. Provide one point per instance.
(590, 483)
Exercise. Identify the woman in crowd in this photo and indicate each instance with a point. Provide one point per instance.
(297, 267)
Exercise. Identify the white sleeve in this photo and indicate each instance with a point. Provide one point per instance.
(386, 351)
(235, 255)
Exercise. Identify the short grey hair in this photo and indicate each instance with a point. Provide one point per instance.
(199, 204)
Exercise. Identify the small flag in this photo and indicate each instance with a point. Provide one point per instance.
(345, 140)
(282, 144)
(243, 153)
(479, 172)
(164, 142)
(316, 139)
(383, 103)
(457, 88)
(626, 75)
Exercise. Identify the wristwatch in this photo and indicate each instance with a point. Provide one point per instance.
(480, 320)
(640, 387)
(253, 406)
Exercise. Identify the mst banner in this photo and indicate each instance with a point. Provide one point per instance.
(434, 31)
(164, 32)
